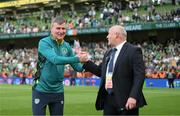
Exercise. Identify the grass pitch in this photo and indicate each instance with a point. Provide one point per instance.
(16, 100)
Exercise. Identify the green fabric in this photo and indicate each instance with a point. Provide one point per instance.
(52, 72)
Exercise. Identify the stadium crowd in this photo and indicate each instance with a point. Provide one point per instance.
(160, 60)
(91, 16)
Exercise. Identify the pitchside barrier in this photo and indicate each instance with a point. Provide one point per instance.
(157, 83)
(67, 81)
(161, 83)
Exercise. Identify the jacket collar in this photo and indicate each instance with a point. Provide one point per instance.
(120, 56)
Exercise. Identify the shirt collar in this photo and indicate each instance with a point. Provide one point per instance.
(119, 47)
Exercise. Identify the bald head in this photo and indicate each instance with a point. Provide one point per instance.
(120, 31)
(116, 35)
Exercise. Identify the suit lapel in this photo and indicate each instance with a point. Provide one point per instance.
(106, 60)
(120, 56)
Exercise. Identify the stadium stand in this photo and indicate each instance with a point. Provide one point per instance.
(161, 46)
(159, 58)
(99, 15)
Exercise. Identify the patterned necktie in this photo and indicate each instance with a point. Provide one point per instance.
(111, 62)
(109, 84)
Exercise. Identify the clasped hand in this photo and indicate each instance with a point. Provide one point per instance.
(83, 56)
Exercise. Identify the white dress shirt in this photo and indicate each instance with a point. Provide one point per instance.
(118, 47)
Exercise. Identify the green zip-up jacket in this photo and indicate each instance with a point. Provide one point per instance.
(52, 69)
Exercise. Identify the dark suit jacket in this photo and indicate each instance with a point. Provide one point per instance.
(128, 76)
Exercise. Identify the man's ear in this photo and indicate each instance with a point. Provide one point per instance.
(117, 34)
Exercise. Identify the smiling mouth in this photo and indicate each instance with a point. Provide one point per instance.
(60, 33)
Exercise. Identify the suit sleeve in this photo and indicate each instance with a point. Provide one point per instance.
(46, 50)
(138, 73)
(93, 68)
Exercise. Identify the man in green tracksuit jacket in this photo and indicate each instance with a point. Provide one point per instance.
(53, 54)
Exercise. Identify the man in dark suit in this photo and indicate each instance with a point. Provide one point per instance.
(122, 72)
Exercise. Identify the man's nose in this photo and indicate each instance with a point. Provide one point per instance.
(61, 30)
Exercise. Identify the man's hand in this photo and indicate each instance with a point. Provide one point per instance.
(83, 56)
(131, 103)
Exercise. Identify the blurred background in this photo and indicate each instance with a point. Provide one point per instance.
(153, 25)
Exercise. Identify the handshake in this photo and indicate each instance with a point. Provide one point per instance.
(83, 56)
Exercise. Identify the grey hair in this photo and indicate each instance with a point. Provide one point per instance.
(121, 31)
(58, 19)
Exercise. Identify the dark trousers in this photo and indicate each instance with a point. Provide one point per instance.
(40, 100)
(111, 109)
(171, 83)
